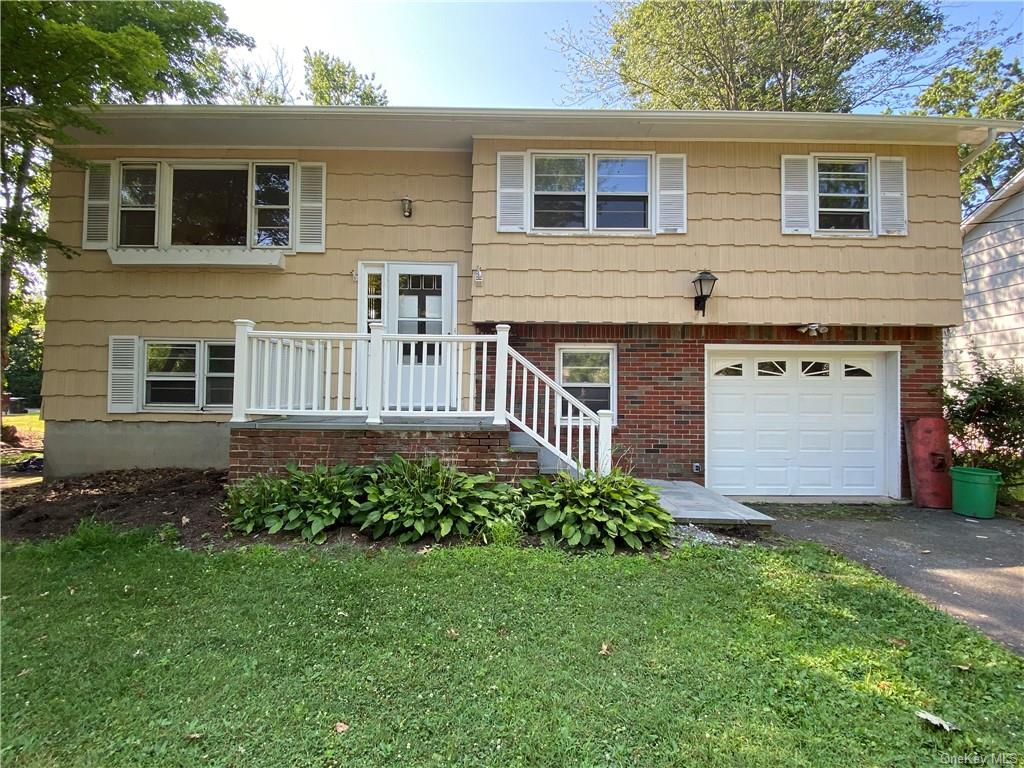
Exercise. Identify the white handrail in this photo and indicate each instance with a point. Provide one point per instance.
(376, 374)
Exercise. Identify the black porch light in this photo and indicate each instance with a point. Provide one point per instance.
(703, 286)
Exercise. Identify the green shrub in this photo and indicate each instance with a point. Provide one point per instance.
(985, 412)
(589, 510)
(509, 523)
(411, 500)
(310, 502)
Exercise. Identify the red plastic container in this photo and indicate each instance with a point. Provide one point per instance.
(929, 459)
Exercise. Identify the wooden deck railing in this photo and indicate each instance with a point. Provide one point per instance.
(375, 376)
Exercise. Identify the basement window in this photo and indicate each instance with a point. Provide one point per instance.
(587, 372)
(188, 374)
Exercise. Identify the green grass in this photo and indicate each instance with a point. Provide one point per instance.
(25, 422)
(120, 650)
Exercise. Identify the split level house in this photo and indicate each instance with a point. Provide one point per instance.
(754, 301)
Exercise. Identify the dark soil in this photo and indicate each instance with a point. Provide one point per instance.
(188, 499)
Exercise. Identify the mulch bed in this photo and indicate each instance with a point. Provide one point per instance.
(187, 498)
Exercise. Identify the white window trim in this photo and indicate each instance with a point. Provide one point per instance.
(590, 193)
(613, 374)
(873, 204)
(164, 253)
(202, 360)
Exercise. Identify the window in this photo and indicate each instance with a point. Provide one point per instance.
(188, 374)
(374, 296)
(224, 205)
(814, 368)
(771, 368)
(843, 194)
(729, 369)
(856, 371)
(559, 192)
(588, 374)
(138, 205)
(591, 192)
(622, 192)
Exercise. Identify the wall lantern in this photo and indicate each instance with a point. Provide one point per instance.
(407, 207)
(478, 276)
(703, 285)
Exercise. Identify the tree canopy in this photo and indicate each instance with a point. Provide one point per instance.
(986, 86)
(826, 56)
(58, 60)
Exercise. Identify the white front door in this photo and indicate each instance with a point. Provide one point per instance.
(801, 422)
(414, 300)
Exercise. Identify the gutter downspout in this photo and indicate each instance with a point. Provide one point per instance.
(993, 134)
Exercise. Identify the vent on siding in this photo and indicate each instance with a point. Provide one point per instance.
(796, 193)
(122, 375)
(96, 227)
(892, 196)
(671, 193)
(511, 191)
(312, 193)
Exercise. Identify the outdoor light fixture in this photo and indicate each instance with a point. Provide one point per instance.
(703, 285)
(813, 329)
(407, 207)
(478, 276)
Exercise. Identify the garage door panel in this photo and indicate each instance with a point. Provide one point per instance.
(797, 434)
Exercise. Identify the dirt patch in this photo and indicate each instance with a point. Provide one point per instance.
(188, 499)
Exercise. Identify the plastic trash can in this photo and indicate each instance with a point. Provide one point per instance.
(974, 491)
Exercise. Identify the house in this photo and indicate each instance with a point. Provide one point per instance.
(506, 287)
(993, 276)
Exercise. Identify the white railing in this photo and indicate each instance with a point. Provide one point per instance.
(376, 375)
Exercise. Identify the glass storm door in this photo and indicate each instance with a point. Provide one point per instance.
(419, 301)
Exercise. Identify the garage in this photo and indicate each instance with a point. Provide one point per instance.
(802, 421)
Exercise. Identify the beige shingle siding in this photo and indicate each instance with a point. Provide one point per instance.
(90, 299)
(993, 275)
(735, 231)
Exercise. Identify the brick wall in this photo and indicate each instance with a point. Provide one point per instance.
(661, 379)
(256, 451)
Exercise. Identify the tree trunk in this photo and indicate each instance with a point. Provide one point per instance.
(15, 215)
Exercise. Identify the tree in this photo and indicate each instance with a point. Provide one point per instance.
(58, 60)
(259, 82)
(333, 82)
(826, 56)
(985, 87)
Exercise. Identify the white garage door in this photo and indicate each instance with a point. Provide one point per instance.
(796, 423)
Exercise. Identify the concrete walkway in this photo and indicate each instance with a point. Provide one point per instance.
(973, 569)
(691, 503)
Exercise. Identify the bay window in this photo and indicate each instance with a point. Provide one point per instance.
(205, 205)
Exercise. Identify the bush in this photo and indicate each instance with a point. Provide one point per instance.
(589, 510)
(985, 412)
(411, 500)
(310, 502)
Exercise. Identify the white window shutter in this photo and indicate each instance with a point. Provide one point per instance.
(97, 214)
(123, 375)
(797, 189)
(672, 193)
(511, 192)
(312, 208)
(892, 196)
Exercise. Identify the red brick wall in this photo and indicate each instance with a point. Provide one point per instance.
(661, 379)
(256, 451)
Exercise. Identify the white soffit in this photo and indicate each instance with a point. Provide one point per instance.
(454, 129)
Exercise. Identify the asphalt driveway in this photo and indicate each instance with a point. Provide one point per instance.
(973, 569)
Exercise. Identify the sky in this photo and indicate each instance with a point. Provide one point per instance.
(454, 54)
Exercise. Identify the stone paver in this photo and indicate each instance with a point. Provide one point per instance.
(691, 503)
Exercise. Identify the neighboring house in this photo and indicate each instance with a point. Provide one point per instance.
(397, 263)
(993, 274)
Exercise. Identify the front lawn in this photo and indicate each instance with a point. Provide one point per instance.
(121, 650)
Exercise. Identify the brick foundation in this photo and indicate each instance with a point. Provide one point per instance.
(661, 379)
(264, 450)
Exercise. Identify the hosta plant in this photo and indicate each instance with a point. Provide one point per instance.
(310, 502)
(411, 500)
(591, 510)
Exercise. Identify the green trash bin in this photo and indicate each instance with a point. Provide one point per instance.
(974, 491)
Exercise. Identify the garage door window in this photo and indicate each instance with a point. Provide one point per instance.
(771, 367)
(588, 374)
(729, 369)
(856, 371)
(814, 368)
